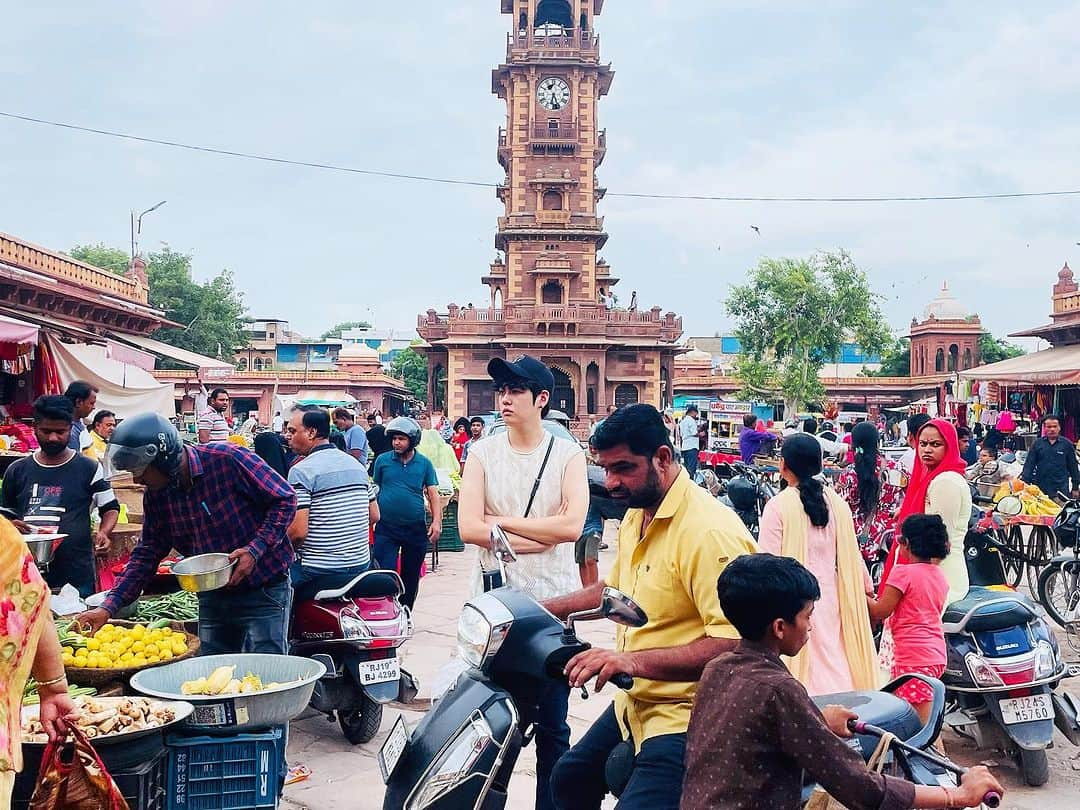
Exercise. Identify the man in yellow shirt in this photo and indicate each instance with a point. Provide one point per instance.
(673, 543)
(100, 431)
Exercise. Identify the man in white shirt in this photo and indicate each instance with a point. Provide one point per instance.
(278, 423)
(828, 447)
(688, 439)
(533, 485)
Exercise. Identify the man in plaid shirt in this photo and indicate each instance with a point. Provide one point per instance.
(201, 499)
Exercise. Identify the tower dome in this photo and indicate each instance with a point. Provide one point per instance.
(357, 351)
(945, 307)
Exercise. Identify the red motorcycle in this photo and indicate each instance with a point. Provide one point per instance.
(355, 632)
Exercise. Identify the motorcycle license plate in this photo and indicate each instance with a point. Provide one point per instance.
(386, 669)
(1026, 709)
(393, 748)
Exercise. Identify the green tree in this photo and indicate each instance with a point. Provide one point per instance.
(411, 366)
(795, 314)
(992, 349)
(112, 259)
(211, 312)
(341, 327)
(895, 360)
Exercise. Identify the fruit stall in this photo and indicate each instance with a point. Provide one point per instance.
(175, 730)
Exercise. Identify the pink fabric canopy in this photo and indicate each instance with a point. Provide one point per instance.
(13, 331)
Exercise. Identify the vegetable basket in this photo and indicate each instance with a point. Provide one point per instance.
(87, 676)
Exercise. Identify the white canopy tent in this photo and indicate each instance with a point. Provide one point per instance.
(123, 388)
(1057, 366)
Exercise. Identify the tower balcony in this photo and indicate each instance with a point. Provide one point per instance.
(569, 43)
(503, 152)
(567, 319)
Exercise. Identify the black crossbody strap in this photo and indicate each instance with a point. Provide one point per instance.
(539, 475)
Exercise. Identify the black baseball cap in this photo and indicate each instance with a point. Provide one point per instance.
(523, 368)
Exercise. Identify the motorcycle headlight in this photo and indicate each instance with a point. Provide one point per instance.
(482, 628)
(1045, 660)
(981, 672)
(454, 764)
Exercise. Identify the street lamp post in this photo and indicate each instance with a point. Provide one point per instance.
(136, 227)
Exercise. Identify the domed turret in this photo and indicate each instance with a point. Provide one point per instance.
(945, 307)
(359, 357)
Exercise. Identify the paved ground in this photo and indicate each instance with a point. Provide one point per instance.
(347, 778)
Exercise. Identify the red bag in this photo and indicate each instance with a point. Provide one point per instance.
(80, 783)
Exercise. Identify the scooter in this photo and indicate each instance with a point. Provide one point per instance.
(462, 754)
(355, 632)
(1004, 666)
(747, 493)
(910, 756)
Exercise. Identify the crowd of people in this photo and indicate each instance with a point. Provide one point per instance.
(720, 711)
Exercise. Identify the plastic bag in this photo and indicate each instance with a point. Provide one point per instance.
(78, 782)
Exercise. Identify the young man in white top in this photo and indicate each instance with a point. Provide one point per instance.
(533, 485)
(688, 439)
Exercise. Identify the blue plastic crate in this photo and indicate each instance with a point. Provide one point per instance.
(240, 772)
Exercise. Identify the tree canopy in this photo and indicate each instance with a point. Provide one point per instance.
(211, 311)
(336, 331)
(992, 350)
(895, 359)
(794, 315)
(411, 366)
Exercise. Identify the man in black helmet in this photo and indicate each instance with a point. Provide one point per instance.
(405, 478)
(215, 497)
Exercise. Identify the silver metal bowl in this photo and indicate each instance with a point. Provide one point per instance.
(204, 572)
(42, 547)
(228, 714)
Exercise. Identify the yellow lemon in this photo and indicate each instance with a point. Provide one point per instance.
(93, 644)
(138, 647)
(166, 654)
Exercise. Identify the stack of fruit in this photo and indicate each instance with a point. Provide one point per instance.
(1036, 503)
(116, 647)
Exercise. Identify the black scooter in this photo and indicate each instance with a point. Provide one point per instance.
(462, 754)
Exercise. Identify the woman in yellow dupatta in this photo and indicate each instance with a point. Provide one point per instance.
(814, 526)
(27, 642)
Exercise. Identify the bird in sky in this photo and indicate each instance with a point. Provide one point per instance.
(756, 229)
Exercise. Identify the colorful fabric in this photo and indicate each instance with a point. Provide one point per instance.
(236, 500)
(915, 691)
(869, 529)
(24, 614)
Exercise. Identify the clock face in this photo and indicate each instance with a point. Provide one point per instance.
(553, 94)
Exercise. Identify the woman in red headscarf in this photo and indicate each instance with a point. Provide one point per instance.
(938, 487)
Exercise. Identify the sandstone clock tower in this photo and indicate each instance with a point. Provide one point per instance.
(550, 291)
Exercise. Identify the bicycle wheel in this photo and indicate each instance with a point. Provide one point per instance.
(1012, 560)
(1059, 591)
(1042, 546)
(1012, 538)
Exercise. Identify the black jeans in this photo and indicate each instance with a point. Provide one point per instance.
(655, 784)
(552, 739)
(412, 542)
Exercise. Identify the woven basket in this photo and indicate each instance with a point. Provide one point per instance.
(84, 676)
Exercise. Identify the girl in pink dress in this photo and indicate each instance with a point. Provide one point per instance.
(915, 597)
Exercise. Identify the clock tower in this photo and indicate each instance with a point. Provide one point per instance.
(551, 294)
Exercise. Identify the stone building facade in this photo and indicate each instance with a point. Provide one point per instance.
(550, 290)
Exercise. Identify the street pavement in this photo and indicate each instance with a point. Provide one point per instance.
(345, 777)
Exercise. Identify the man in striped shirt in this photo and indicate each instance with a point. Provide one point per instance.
(212, 426)
(53, 491)
(330, 530)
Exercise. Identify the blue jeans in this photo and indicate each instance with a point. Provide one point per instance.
(307, 582)
(552, 739)
(578, 782)
(412, 542)
(254, 620)
(690, 461)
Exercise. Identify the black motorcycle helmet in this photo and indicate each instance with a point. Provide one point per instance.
(402, 426)
(743, 494)
(1067, 523)
(146, 440)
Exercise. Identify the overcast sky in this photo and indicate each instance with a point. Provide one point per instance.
(710, 97)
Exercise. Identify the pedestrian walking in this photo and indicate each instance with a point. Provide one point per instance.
(1051, 462)
(688, 439)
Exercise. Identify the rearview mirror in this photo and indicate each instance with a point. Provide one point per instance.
(500, 545)
(621, 609)
(1010, 506)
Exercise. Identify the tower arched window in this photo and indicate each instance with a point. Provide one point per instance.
(554, 13)
(954, 357)
(241, 364)
(551, 293)
(553, 200)
(939, 361)
(967, 358)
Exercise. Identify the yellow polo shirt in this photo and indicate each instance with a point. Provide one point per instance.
(671, 572)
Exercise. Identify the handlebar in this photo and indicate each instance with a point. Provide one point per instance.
(992, 797)
(622, 680)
